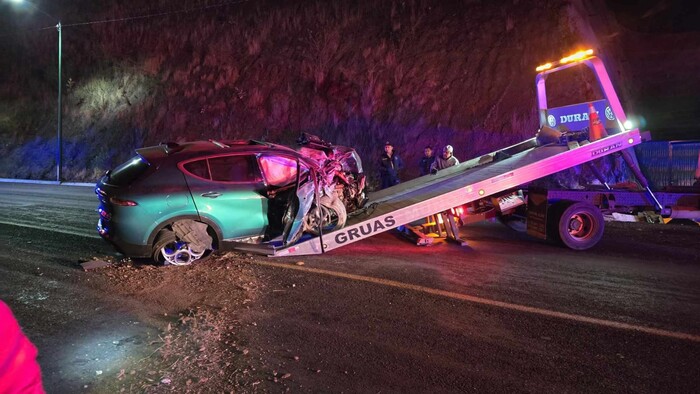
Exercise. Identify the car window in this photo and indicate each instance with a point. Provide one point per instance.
(278, 170)
(198, 168)
(239, 168)
(127, 172)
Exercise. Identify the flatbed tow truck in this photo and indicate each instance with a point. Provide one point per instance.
(496, 184)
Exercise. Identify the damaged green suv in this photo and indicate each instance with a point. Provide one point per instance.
(177, 203)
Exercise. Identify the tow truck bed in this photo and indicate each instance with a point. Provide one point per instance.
(455, 186)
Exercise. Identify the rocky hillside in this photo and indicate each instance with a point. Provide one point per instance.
(415, 72)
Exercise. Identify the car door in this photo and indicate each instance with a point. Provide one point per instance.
(288, 201)
(229, 191)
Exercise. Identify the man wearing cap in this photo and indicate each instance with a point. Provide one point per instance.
(389, 165)
(445, 160)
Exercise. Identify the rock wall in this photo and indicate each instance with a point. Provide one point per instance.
(415, 72)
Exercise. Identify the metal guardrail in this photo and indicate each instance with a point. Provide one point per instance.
(668, 164)
(39, 182)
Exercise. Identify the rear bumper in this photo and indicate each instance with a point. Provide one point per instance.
(125, 248)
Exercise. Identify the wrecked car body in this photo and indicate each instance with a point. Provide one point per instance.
(176, 203)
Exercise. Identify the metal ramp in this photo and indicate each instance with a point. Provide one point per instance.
(458, 185)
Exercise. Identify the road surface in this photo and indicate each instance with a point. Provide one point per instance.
(506, 313)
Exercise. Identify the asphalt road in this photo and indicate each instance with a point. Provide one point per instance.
(505, 314)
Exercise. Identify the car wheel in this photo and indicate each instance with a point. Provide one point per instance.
(339, 213)
(315, 218)
(333, 216)
(168, 250)
(577, 225)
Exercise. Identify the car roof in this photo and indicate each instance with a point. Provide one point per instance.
(195, 149)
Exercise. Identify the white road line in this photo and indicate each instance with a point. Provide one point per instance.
(69, 232)
(485, 301)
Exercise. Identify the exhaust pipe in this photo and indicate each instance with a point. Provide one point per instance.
(682, 213)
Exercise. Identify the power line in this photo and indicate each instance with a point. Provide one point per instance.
(165, 13)
(130, 18)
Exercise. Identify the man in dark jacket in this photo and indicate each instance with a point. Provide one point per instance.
(389, 165)
(426, 161)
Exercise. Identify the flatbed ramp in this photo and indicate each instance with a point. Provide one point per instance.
(458, 185)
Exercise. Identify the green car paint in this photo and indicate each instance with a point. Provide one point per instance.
(239, 212)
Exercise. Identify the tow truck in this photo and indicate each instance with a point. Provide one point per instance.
(507, 183)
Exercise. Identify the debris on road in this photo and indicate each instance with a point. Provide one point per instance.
(197, 346)
(94, 264)
(622, 217)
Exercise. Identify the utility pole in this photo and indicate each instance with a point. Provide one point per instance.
(59, 142)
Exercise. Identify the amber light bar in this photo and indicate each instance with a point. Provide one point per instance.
(580, 55)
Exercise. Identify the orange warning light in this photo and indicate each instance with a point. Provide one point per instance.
(576, 56)
(543, 67)
(580, 55)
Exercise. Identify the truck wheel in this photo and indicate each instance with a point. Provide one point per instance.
(578, 225)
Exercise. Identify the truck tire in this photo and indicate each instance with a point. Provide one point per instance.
(577, 225)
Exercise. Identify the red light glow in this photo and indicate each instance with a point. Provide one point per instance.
(123, 203)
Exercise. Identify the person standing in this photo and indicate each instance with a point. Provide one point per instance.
(426, 161)
(446, 160)
(389, 165)
(19, 370)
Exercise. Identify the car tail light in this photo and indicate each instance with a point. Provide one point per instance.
(123, 203)
(104, 214)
